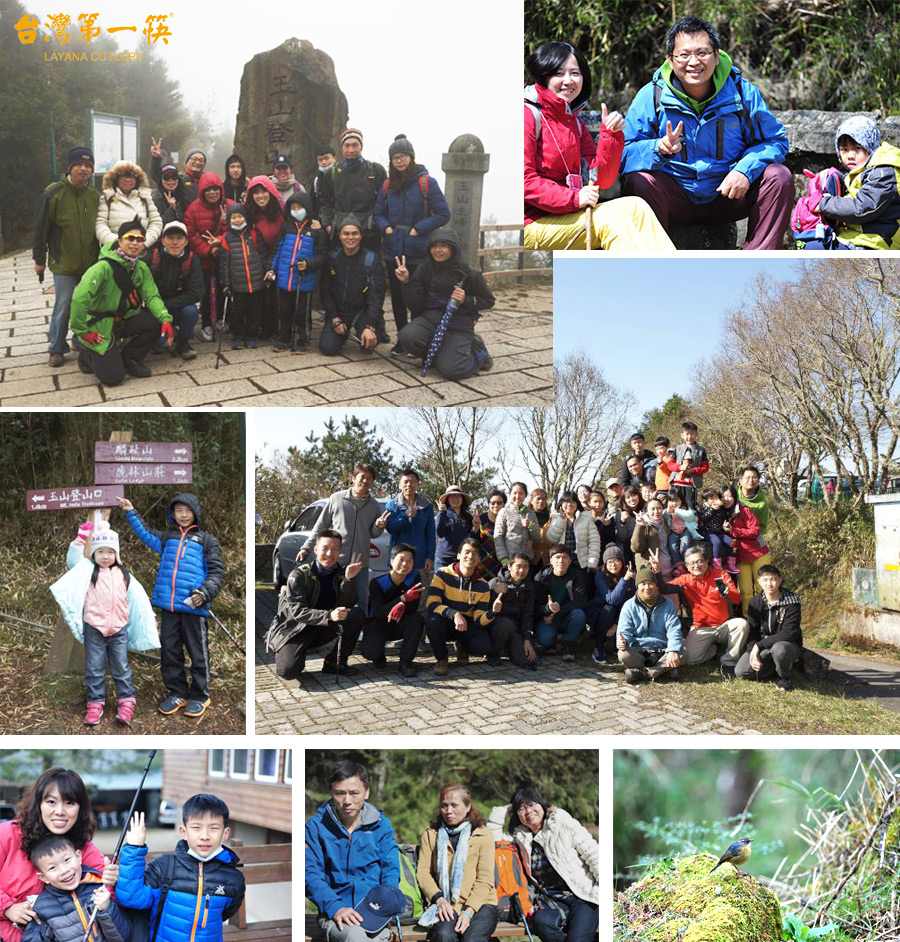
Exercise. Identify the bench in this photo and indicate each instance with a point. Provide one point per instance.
(264, 863)
(410, 933)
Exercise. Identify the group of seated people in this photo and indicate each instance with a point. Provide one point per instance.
(249, 252)
(699, 145)
(656, 567)
(353, 872)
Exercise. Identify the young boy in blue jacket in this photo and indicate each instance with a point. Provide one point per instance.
(72, 891)
(205, 888)
(190, 576)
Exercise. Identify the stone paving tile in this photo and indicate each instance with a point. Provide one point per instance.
(518, 332)
(558, 698)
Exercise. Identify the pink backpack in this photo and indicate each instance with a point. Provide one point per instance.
(806, 223)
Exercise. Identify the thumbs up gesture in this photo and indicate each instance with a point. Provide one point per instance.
(611, 120)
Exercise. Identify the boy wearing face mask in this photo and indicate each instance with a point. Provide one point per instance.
(243, 271)
(298, 257)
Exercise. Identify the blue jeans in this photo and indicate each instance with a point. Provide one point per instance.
(184, 322)
(581, 924)
(569, 626)
(97, 650)
(678, 543)
(64, 287)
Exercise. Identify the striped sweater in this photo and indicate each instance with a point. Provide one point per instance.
(451, 592)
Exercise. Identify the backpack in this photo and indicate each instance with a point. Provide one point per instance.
(423, 189)
(130, 298)
(533, 108)
(156, 263)
(409, 885)
(140, 918)
(368, 261)
(513, 897)
(808, 225)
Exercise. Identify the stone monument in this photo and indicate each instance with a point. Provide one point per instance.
(290, 103)
(465, 165)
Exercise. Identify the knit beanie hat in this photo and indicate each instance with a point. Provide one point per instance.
(401, 146)
(103, 536)
(350, 220)
(352, 132)
(863, 130)
(78, 155)
(613, 551)
(644, 574)
(192, 151)
(131, 226)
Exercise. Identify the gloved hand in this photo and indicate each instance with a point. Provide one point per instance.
(84, 530)
(396, 613)
(93, 337)
(413, 594)
(168, 332)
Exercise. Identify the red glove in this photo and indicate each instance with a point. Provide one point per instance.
(84, 531)
(396, 613)
(93, 337)
(412, 595)
(168, 332)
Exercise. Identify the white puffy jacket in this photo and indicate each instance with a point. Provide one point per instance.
(568, 845)
(587, 538)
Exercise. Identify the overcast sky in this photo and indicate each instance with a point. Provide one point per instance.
(431, 71)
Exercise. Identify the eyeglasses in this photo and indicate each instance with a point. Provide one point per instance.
(134, 238)
(496, 503)
(399, 158)
(703, 55)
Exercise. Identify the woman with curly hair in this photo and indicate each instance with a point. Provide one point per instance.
(456, 871)
(56, 804)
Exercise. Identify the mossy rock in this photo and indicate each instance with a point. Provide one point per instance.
(681, 899)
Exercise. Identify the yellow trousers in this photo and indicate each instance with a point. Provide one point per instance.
(626, 224)
(747, 573)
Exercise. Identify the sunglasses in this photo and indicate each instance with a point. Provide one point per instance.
(134, 239)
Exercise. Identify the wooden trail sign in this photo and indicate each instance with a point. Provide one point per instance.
(143, 473)
(73, 498)
(144, 452)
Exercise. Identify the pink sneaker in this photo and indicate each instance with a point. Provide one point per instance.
(126, 710)
(731, 564)
(94, 713)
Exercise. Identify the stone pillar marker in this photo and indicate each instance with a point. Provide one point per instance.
(290, 102)
(465, 165)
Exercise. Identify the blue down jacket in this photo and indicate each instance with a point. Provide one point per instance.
(65, 915)
(70, 591)
(202, 894)
(408, 209)
(299, 242)
(190, 559)
(340, 872)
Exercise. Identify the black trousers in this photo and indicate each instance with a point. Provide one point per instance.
(245, 312)
(378, 631)
(290, 658)
(180, 632)
(293, 316)
(480, 928)
(143, 329)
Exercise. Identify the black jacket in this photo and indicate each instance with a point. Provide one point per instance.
(343, 191)
(575, 588)
(297, 603)
(771, 624)
(352, 288)
(179, 280)
(624, 474)
(61, 920)
(243, 261)
(518, 602)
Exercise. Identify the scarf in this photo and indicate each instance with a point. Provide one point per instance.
(451, 882)
(758, 505)
(132, 262)
(347, 163)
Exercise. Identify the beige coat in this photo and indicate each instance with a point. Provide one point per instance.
(477, 887)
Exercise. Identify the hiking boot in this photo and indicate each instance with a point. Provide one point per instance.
(137, 368)
(397, 350)
(636, 675)
(253, 343)
(657, 670)
(301, 349)
(784, 683)
(598, 657)
(196, 708)
(171, 704)
(493, 660)
(407, 669)
(279, 346)
(440, 668)
(727, 671)
(94, 708)
(236, 343)
(184, 350)
(56, 360)
(483, 360)
(126, 710)
(83, 364)
(568, 652)
(206, 334)
(329, 667)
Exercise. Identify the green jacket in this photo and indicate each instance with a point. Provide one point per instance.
(97, 300)
(64, 222)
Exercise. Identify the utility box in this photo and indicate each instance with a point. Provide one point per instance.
(887, 549)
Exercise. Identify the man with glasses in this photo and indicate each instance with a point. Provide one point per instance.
(117, 299)
(194, 165)
(702, 146)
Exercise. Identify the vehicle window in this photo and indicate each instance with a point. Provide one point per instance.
(307, 519)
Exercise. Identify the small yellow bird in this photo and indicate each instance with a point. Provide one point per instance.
(737, 855)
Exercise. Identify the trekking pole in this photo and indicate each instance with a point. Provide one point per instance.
(396, 364)
(115, 856)
(231, 637)
(587, 230)
(220, 326)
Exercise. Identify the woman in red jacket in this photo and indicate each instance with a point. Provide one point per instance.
(748, 544)
(555, 142)
(265, 212)
(205, 219)
(57, 804)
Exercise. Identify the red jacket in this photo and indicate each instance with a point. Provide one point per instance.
(18, 877)
(200, 217)
(269, 229)
(558, 152)
(748, 542)
(710, 609)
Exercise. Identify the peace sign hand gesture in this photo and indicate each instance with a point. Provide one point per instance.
(670, 142)
(401, 271)
(654, 560)
(354, 567)
(611, 120)
(156, 147)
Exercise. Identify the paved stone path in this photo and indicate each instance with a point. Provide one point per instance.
(568, 699)
(518, 332)
(867, 679)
